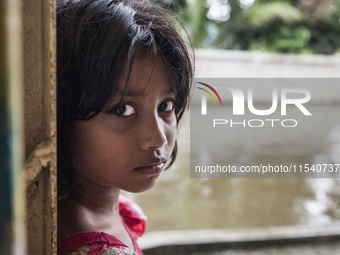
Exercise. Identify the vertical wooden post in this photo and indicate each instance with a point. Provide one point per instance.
(27, 92)
(40, 124)
(50, 105)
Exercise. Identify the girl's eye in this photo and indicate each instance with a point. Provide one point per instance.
(125, 110)
(166, 106)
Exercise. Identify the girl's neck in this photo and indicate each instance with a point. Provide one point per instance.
(97, 198)
(94, 208)
(89, 207)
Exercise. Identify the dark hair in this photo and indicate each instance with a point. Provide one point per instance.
(96, 40)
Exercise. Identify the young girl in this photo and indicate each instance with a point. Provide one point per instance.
(124, 78)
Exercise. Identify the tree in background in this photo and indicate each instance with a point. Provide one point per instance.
(292, 26)
(193, 14)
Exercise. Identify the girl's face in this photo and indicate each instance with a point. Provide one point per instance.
(127, 147)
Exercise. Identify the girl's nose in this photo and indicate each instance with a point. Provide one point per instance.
(153, 133)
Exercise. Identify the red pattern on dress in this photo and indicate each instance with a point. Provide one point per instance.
(100, 243)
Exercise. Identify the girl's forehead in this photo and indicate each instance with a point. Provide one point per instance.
(146, 73)
(150, 67)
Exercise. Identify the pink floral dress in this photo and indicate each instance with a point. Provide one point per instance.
(100, 243)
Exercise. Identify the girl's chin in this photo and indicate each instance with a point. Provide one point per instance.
(145, 186)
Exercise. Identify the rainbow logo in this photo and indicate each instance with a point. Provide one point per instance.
(208, 86)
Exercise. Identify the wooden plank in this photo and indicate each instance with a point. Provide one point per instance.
(40, 125)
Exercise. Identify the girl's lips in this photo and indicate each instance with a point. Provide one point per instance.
(151, 169)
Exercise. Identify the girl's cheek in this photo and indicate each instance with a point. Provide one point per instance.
(170, 119)
(172, 131)
(119, 124)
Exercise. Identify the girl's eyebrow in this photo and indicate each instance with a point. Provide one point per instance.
(168, 92)
(133, 93)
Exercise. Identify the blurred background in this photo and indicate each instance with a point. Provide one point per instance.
(291, 26)
(258, 38)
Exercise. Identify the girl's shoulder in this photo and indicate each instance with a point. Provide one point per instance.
(94, 243)
(133, 216)
(92, 249)
(100, 243)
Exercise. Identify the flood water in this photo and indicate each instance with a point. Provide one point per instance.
(179, 202)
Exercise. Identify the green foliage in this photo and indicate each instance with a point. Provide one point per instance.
(325, 37)
(268, 25)
(265, 14)
(193, 14)
(281, 27)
